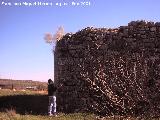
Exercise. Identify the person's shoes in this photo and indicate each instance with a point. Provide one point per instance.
(50, 114)
(54, 114)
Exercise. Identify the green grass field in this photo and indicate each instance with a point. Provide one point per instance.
(8, 92)
(32, 105)
(11, 115)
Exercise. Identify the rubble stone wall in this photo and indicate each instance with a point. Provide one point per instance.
(110, 71)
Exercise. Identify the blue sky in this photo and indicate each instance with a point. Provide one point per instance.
(23, 53)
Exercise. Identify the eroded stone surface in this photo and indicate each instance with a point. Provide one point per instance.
(110, 71)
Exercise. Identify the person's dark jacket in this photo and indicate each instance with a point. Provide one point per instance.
(51, 89)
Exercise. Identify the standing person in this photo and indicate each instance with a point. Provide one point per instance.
(52, 98)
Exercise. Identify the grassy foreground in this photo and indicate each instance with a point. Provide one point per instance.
(15, 103)
(11, 115)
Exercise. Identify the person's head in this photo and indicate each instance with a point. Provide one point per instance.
(50, 81)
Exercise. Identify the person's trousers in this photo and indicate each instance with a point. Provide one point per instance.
(52, 105)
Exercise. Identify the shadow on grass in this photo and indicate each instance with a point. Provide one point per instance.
(25, 104)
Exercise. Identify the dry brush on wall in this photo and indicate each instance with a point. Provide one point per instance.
(110, 71)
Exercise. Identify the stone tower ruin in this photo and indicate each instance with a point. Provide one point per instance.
(110, 71)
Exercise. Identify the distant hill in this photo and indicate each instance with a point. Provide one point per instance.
(22, 84)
